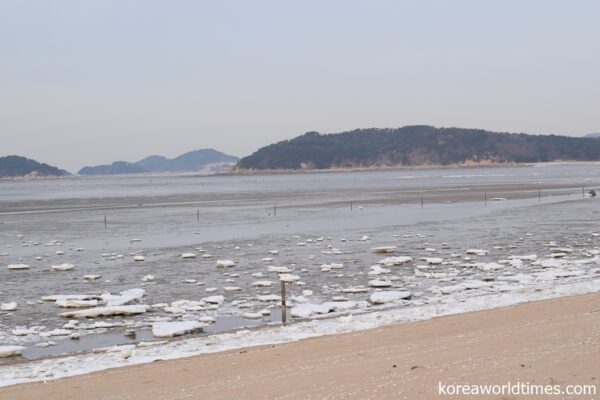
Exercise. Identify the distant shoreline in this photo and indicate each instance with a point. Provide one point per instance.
(256, 172)
(244, 171)
(403, 168)
(34, 178)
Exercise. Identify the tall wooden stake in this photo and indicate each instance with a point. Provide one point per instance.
(539, 194)
(283, 306)
(105, 222)
(275, 210)
(350, 206)
(421, 200)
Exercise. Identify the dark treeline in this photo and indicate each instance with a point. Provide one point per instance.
(16, 166)
(417, 146)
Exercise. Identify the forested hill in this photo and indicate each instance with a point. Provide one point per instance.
(17, 166)
(417, 146)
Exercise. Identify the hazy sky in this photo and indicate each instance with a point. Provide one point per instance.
(86, 82)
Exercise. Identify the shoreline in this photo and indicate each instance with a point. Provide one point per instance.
(252, 172)
(129, 355)
(259, 172)
(552, 341)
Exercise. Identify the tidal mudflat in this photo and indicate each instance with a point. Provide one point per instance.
(122, 270)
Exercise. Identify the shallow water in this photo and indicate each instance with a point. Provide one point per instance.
(425, 213)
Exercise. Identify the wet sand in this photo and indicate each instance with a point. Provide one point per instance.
(553, 342)
(295, 191)
(289, 199)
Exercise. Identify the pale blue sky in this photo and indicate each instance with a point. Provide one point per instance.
(89, 82)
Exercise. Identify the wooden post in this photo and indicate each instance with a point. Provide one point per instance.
(583, 192)
(539, 194)
(350, 206)
(275, 210)
(421, 200)
(105, 222)
(283, 306)
(485, 198)
(198, 215)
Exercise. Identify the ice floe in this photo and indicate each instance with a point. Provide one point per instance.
(268, 297)
(11, 351)
(74, 303)
(214, 299)
(288, 278)
(391, 261)
(279, 270)
(389, 296)
(356, 289)
(106, 311)
(307, 309)
(176, 328)
(24, 331)
(11, 306)
(433, 260)
(250, 315)
(16, 267)
(380, 283)
(225, 263)
(56, 332)
(384, 249)
(262, 283)
(377, 270)
(63, 267)
(125, 297)
(57, 297)
(476, 252)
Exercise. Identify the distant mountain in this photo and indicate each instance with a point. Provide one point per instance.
(188, 162)
(419, 145)
(17, 166)
(593, 135)
(118, 167)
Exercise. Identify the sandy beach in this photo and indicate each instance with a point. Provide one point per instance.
(553, 342)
